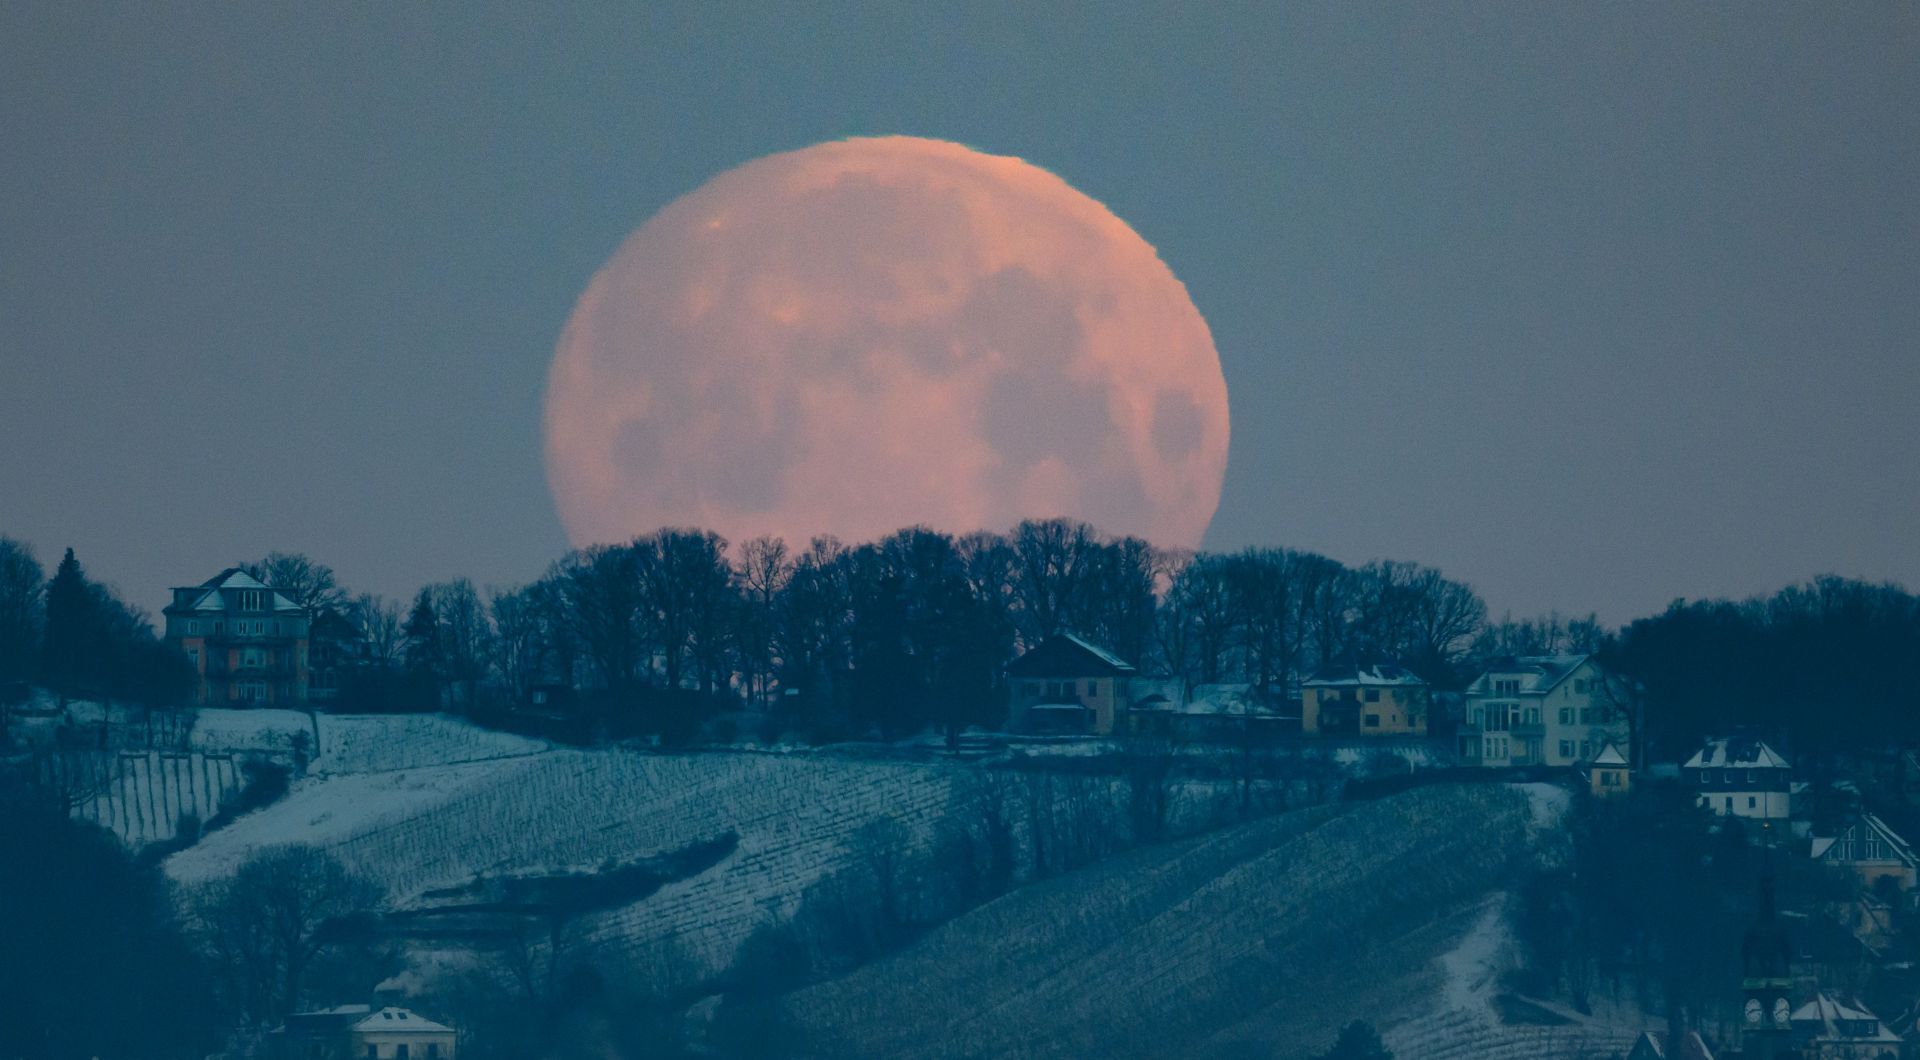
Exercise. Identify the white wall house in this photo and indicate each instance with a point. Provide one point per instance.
(1540, 710)
(1740, 777)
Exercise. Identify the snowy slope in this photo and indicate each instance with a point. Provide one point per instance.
(428, 803)
(1257, 941)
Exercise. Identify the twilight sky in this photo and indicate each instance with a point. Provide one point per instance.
(1592, 306)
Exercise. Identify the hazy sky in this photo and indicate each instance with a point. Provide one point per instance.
(1592, 306)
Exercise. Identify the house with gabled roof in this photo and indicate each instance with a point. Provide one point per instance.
(1834, 1028)
(1068, 685)
(1871, 850)
(1608, 774)
(362, 1032)
(1740, 776)
(1364, 697)
(246, 640)
(1540, 710)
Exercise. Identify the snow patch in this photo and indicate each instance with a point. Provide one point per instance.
(1473, 967)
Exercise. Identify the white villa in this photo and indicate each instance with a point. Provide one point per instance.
(1540, 710)
(1741, 777)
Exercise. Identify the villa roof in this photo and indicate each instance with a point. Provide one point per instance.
(209, 596)
(1537, 674)
(1067, 655)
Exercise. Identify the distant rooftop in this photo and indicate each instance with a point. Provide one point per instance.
(1537, 674)
(1365, 672)
(1736, 752)
(1069, 655)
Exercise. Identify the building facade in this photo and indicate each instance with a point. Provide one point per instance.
(1540, 710)
(1608, 775)
(247, 642)
(362, 1032)
(1364, 698)
(1740, 777)
(1869, 849)
(1067, 686)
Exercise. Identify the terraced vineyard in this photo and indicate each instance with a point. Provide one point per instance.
(1257, 941)
(423, 804)
(141, 796)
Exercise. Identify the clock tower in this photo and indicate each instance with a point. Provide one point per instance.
(1766, 981)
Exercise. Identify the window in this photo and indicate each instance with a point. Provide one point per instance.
(1566, 715)
(1566, 748)
(1586, 749)
(1580, 686)
(400, 1052)
(1091, 689)
(373, 1052)
(1373, 695)
(1373, 721)
(193, 625)
(1729, 804)
(1751, 802)
(1496, 717)
(1586, 716)
(1508, 686)
(433, 1051)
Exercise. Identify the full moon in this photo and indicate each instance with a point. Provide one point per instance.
(872, 334)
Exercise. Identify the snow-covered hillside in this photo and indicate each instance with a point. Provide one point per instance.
(1260, 940)
(424, 803)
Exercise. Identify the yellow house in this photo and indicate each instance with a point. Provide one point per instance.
(1350, 698)
(1609, 774)
(1066, 685)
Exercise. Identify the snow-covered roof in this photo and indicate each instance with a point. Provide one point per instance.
(392, 1020)
(1843, 1020)
(1536, 674)
(1068, 655)
(1373, 673)
(1736, 752)
(211, 596)
(1903, 853)
(1609, 756)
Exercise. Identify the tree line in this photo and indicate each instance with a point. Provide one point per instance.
(889, 636)
(76, 637)
(913, 630)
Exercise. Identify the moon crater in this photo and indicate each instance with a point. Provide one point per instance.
(877, 333)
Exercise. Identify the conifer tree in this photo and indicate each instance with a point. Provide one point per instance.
(424, 654)
(72, 629)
